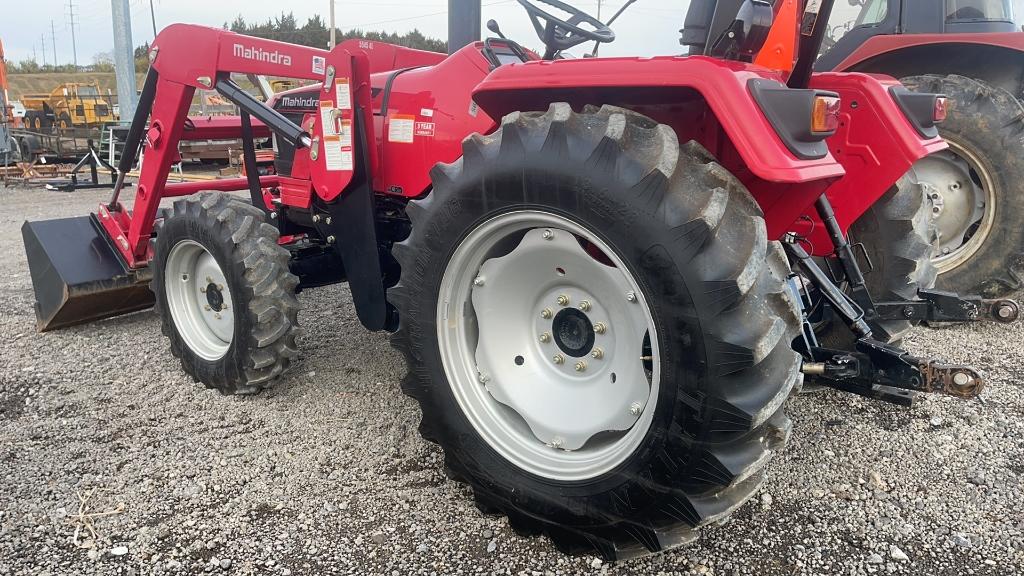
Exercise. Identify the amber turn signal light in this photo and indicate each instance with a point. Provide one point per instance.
(825, 118)
(940, 109)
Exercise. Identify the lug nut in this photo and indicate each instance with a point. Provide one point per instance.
(597, 353)
(600, 328)
(484, 378)
(217, 315)
(635, 408)
(581, 366)
(545, 337)
(558, 359)
(585, 306)
(209, 280)
(548, 235)
(546, 313)
(563, 300)
(207, 307)
(220, 287)
(631, 296)
(316, 217)
(479, 281)
(202, 289)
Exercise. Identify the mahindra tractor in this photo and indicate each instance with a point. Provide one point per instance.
(973, 52)
(588, 264)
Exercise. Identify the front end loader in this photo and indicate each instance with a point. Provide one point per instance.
(587, 264)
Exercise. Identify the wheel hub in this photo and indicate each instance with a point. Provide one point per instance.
(585, 378)
(548, 345)
(574, 333)
(214, 297)
(198, 299)
(959, 193)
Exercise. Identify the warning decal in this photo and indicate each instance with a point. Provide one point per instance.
(401, 129)
(343, 94)
(327, 118)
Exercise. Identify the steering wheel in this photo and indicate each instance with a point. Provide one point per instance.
(558, 34)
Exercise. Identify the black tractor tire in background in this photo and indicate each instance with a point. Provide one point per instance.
(256, 270)
(897, 237)
(988, 122)
(64, 121)
(695, 241)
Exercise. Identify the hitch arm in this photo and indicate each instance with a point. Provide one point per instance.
(936, 306)
(883, 372)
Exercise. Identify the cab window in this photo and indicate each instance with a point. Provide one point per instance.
(961, 10)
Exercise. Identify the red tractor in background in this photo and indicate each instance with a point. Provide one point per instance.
(973, 52)
(586, 263)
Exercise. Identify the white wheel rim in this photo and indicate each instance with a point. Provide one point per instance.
(199, 300)
(963, 209)
(499, 346)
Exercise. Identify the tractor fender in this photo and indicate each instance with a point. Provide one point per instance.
(682, 88)
(994, 58)
(876, 144)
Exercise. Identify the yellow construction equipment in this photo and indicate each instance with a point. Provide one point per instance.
(69, 105)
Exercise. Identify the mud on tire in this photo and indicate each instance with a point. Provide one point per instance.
(262, 289)
(695, 241)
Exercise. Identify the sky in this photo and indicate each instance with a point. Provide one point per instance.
(648, 28)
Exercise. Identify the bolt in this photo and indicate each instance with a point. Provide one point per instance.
(316, 217)
(935, 196)
(600, 328)
(562, 300)
(1005, 312)
(479, 281)
(631, 296)
(962, 379)
(202, 289)
(597, 353)
(484, 378)
(954, 186)
(209, 280)
(207, 307)
(220, 287)
(273, 215)
(556, 442)
(548, 235)
(635, 408)
(217, 315)
(545, 337)
(945, 251)
(908, 311)
(558, 359)
(585, 306)
(330, 239)
(546, 313)
(327, 220)
(936, 210)
(581, 366)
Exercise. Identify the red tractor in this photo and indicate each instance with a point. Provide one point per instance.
(973, 52)
(586, 263)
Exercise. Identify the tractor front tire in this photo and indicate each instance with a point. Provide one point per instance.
(977, 187)
(655, 259)
(224, 293)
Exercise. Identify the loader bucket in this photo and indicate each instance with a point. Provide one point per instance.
(77, 274)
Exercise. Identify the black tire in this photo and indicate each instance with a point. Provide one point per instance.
(64, 121)
(987, 122)
(263, 291)
(695, 241)
(896, 233)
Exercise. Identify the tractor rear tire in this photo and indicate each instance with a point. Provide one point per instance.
(225, 296)
(692, 242)
(896, 233)
(985, 131)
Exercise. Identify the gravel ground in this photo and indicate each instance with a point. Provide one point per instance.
(326, 474)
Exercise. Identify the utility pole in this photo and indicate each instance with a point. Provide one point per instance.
(463, 23)
(42, 43)
(331, 44)
(152, 16)
(124, 58)
(53, 38)
(74, 45)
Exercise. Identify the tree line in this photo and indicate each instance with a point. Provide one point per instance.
(283, 28)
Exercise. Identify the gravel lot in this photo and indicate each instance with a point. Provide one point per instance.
(326, 473)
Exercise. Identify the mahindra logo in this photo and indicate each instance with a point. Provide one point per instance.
(293, 102)
(261, 55)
